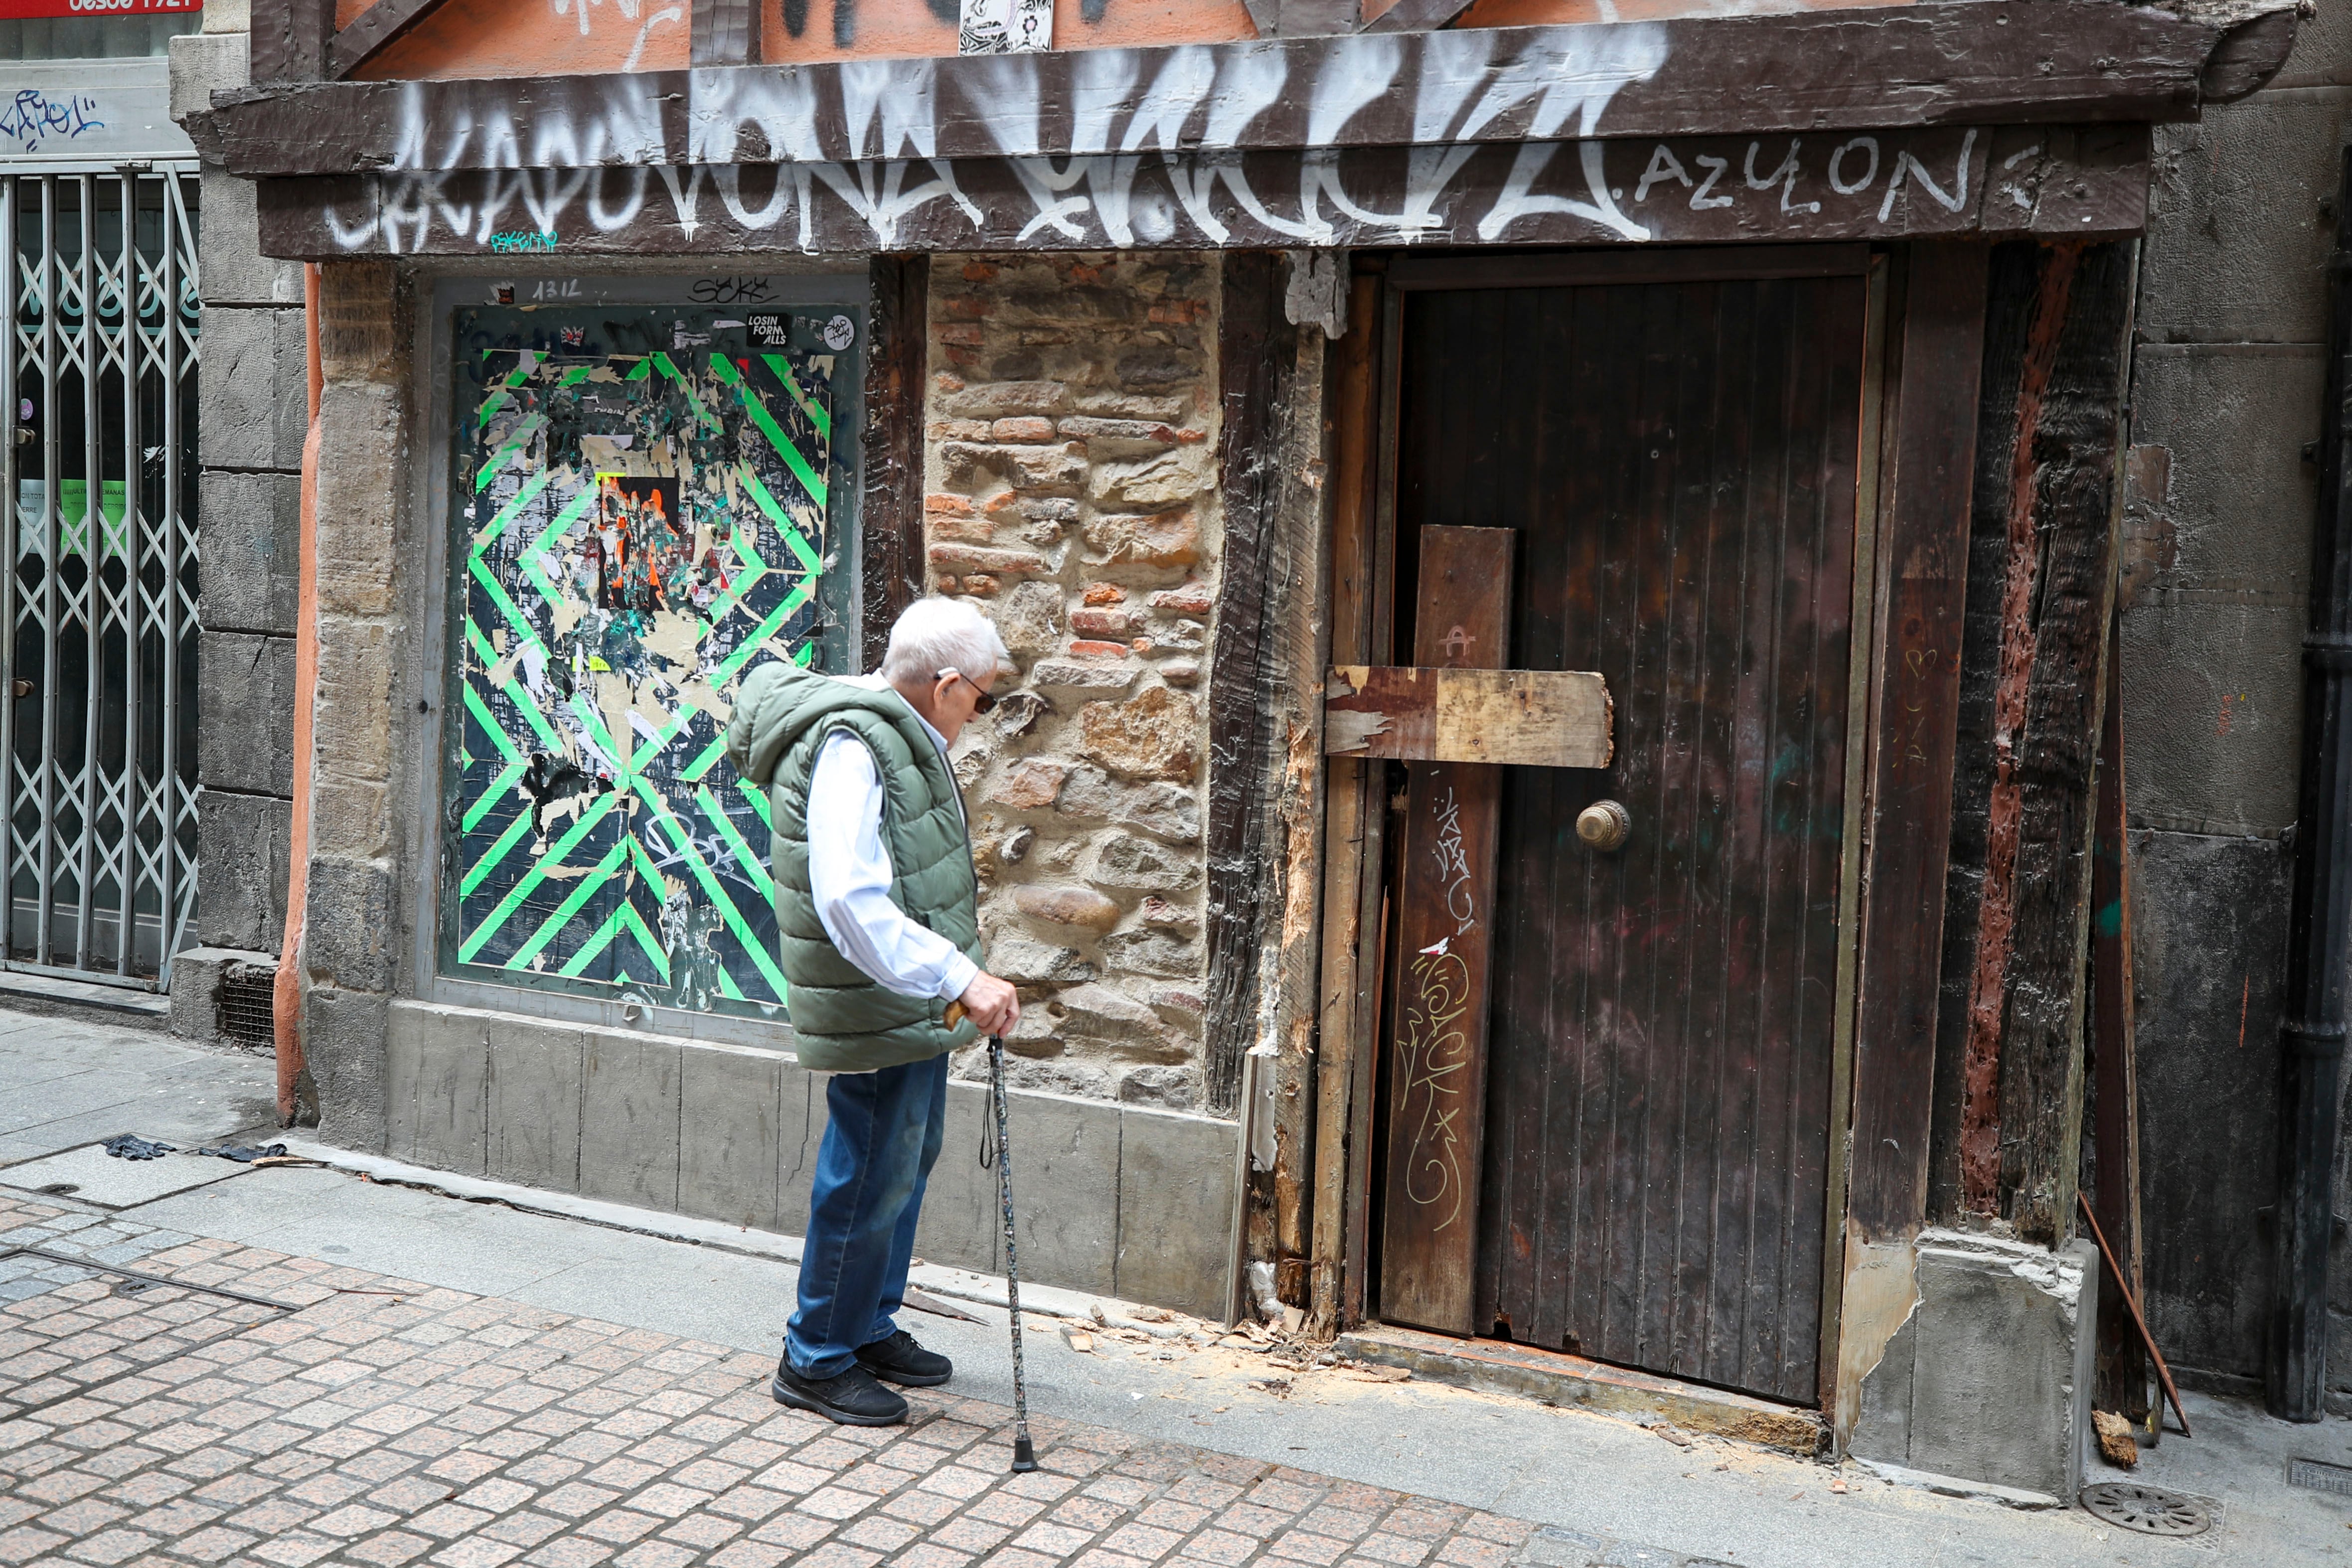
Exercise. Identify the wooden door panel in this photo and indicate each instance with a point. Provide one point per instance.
(1680, 459)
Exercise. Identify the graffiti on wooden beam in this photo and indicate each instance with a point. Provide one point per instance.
(1891, 184)
(1805, 74)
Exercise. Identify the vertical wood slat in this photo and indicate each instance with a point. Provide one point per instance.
(2123, 1375)
(726, 32)
(292, 39)
(1348, 795)
(2064, 460)
(1255, 346)
(1436, 1052)
(1372, 965)
(1925, 483)
(890, 506)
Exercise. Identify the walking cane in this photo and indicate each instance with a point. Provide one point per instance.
(1025, 1456)
(1025, 1453)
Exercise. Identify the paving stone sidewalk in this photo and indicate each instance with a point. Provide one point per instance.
(366, 1420)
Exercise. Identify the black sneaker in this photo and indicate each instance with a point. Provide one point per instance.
(900, 1359)
(852, 1398)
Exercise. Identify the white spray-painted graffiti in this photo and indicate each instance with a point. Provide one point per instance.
(32, 117)
(1433, 1046)
(1481, 136)
(1784, 187)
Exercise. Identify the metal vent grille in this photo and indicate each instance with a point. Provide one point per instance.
(249, 1014)
(2319, 1476)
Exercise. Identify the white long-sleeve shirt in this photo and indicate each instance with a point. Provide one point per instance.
(850, 875)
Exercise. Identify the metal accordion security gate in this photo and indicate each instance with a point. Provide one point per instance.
(98, 472)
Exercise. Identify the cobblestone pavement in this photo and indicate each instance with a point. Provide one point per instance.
(372, 1421)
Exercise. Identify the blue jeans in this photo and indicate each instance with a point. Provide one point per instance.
(881, 1138)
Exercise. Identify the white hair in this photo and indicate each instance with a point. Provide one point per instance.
(937, 635)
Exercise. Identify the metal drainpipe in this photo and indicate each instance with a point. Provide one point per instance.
(2320, 924)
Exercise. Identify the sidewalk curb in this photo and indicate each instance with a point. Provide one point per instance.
(938, 1280)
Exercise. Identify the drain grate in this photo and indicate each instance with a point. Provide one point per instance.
(248, 1007)
(2319, 1476)
(2151, 1511)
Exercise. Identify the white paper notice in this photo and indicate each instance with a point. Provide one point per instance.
(1006, 27)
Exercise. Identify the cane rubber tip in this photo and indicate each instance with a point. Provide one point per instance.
(1024, 1457)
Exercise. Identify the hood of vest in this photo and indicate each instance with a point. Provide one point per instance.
(779, 703)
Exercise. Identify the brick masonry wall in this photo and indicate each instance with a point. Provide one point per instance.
(1071, 493)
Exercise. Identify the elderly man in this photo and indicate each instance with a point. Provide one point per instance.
(877, 908)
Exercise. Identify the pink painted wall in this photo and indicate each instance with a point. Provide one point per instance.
(554, 37)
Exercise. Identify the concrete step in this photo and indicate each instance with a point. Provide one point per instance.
(1492, 1366)
(90, 996)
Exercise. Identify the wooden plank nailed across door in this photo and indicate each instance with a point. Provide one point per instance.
(1436, 1060)
(1523, 718)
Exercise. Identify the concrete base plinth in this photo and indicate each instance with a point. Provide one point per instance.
(1988, 1380)
(1113, 1199)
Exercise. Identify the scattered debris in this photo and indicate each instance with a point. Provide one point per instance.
(1279, 1387)
(924, 1301)
(2116, 1442)
(1152, 1314)
(1837, 1485)
(1096, 1312)
(1382, 1374)
(244, 1156)
(1673, 1434)
(128, 1146)
(1078, 1340)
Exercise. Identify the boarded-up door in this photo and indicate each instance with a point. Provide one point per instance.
(1680, 459)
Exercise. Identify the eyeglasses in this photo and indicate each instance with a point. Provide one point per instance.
(982, 702)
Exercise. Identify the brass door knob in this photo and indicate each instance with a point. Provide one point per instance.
(1605, 825)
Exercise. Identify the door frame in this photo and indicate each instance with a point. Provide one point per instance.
(1922, 347)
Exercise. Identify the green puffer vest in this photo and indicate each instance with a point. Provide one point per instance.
(846, 1022)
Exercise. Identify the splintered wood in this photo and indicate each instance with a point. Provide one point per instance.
(1528, 718)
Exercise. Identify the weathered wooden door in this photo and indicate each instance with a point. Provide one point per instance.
(1680, 459)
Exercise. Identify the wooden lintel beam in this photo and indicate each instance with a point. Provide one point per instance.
(726, 32)
(1816, 74)
(372, 31)
(2088, 182)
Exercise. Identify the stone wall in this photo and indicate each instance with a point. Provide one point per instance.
(251, 414)
(2228, 388)
(1071, 493)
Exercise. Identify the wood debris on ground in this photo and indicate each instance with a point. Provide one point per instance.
(2116, 1445)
